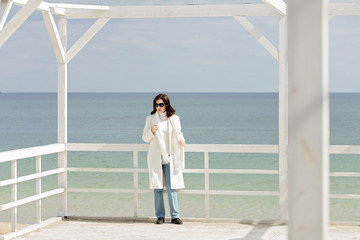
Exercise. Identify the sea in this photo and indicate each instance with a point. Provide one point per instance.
(30, 119)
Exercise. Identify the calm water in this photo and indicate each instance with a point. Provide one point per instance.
(246, 118)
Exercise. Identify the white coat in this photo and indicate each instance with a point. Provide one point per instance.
(157, 148)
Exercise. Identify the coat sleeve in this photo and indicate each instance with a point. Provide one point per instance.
(147, 133)
(178, 128)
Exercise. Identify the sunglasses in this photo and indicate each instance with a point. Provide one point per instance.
(159, 105)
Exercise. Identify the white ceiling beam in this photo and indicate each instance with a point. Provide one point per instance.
(17, 20)
(44, 6)
(258, 36)
(85, 38)
(278, 5)
(169, 11)
(54, 36)
(344, 8)
(5, 7)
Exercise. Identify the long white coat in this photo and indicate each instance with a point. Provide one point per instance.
(157, 147)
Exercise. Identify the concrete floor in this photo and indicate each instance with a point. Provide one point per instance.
(107, 230)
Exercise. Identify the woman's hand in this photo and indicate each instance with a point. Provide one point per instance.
(182, 142)
(154, 128)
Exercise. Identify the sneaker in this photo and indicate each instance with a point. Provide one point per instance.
(176, 221)
(160, 220)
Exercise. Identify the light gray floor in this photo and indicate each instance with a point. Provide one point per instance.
(85, 230)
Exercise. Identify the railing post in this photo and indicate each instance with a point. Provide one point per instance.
(14, 195)
(207, 185)
(62, 117)
(136, 183)
(38, 190)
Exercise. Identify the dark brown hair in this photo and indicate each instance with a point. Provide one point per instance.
(169, 109)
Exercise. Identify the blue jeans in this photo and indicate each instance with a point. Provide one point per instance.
(172, 196)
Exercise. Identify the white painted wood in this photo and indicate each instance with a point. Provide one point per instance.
(231, 148)
(207, 184)
(344, 149)
(166, 11)
(344, 174)
(31, 177)
(5, 6)
(350, 8)
(283, 119)
(85, 38)
(345, 196)
(17, 20)
(30, 228)
(27, 200)
(54, 36)
(308, 120)
(278, 5)
(258, 36)
(62, 116)
(136, 183)
(13, 195)
(38, 189)
(31, 152)
(144, 170)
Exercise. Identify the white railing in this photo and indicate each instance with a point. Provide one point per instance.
(61, 171)
(204, 148)
(13, 157)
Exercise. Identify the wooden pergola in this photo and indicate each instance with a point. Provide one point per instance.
(302, 55)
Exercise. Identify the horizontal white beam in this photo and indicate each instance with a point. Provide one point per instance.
(345, 196)
(344, 174)
(85, 38)
(278, 5)
(31, 177)
(17, 20)
(171, 11)
(31, 152)
(23, 201)
(106, 147)
(344, 149)
(351, 8)
(235, 148)
(258, 36)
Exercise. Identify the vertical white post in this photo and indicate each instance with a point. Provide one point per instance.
(136, 183)
(14, 195)
(283, 119)
(308, 119)
(207, 185)
(38, 190)
(62, 117)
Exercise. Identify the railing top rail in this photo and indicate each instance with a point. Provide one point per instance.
(228, 148)
(31, 152)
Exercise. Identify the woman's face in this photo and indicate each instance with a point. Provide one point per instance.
(160, 106)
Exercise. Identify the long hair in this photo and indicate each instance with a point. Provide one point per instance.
(169, 109)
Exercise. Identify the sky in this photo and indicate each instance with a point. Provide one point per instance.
(167, 55)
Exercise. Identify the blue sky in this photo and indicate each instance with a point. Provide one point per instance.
(167, 55)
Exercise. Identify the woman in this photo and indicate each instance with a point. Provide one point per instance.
(166, 159)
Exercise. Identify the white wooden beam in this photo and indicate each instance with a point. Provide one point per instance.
(5, 7)
(54, 36)
(169, 11)
(278, 5)
(62, 116)
(84, 39)
(351, 8)
(258, 36)
(17, 20)
(283, 119)
(308, 56)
